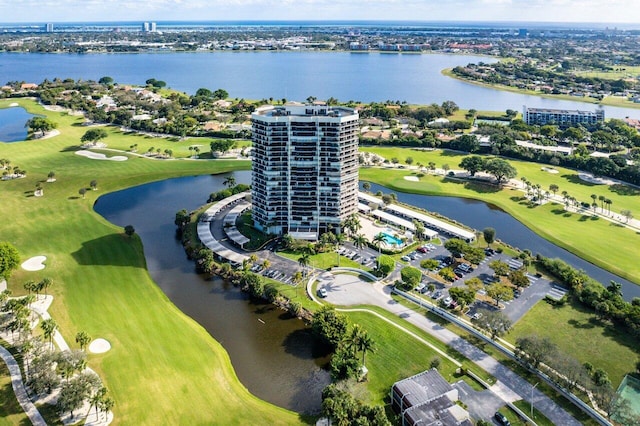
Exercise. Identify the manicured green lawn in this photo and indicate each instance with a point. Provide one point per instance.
(599, 241)
(163, 367)
(578, 332)
(10, 411)
(325, 260)
(398, 356)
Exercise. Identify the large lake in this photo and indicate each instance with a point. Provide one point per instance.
(366, 77)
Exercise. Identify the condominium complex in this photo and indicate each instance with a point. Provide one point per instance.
(561, 117)
(305, 168)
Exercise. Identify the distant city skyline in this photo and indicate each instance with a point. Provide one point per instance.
(592, 11)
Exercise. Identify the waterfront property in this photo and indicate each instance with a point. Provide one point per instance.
(305, 168)
(561, 117)
(427, 398)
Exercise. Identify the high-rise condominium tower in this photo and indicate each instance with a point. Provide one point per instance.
(305, 168)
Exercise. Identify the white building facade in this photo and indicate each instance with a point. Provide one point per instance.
(305, 168)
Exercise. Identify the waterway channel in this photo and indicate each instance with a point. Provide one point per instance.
(480, 215)
(274, 356)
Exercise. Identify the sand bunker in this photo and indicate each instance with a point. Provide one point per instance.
(596, 180)
(36, 263)
(98, 156)
(99, 346)
(549, 170)
(412, 178)
(14, 104)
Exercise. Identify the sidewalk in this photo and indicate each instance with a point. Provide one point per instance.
(509, 385)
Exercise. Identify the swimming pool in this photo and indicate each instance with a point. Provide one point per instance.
(391, 240)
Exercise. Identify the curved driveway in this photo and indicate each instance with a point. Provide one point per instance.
(349, 290)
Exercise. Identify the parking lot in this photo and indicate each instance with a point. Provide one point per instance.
(523, 301)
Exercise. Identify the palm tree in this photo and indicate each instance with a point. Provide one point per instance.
(197, 151)
(96, 399)
(93, 184)
(554, 188)
(45, 284)
(49, 326)
(29, 286)
(266, 263)
(360, 341)
(82, 191)
(366, 186)
(304, 261)
(83, 339)
(339, 240)
(378, 240)
(106, 404)
(601, 199)
(608, 202)
(360, 241)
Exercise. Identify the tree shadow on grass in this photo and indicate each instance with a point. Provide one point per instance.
(576, 179)
(475, 186)
(71, 148)
(582, 324)
(10, 405)
(624, 189)
(561, 212)
(112, 249)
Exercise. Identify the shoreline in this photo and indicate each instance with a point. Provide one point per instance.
(626, 104)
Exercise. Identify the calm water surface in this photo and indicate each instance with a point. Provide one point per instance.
(273, 356)
(366, 77)
(12, 124)
(276, 360)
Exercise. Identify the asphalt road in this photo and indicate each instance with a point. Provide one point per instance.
(344, 290)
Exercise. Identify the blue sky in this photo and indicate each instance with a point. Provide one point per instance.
(609, 11)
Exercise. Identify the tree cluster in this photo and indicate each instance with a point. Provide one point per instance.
(607, 302)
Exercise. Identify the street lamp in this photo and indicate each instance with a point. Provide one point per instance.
(532, 388)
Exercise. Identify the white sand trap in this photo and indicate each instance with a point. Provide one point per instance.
(14, 104)
(50, 134)
(412, 178)
(99, 346)
(36, 263)
(98, 156)
(549, 170)
(596, 180)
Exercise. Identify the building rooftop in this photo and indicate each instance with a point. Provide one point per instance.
(422, 387)
(304, 110)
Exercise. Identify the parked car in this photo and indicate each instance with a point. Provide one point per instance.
(322, 292)
(420, 287)
(465, 267)
(502, 419)
(447, 300)
(406, 258)
(423, 249)
(436, 295)
(517, 293)
(476, 316)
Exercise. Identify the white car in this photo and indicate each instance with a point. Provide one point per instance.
(406, 258)
(322, 292)
(447, 300)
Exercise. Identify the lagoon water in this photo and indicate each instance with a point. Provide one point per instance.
(12, 124)
(366, 77)
(480, 215)
(274, 356)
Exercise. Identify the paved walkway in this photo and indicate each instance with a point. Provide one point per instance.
(40, 307)
(18, 387)
(509, 385)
